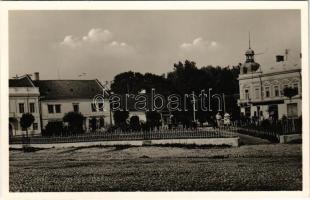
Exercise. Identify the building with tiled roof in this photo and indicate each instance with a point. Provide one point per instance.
(68, 89)
(23, 98)
(54, 98)
(58, 97)
(261, 92)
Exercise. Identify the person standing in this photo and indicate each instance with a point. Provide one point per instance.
(218, 119)
(227, 119)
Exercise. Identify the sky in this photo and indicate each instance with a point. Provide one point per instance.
(101, 44)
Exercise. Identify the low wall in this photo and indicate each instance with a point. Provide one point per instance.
(234, 142)
(289, 138)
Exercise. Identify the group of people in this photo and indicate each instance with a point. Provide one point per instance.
(221, 120)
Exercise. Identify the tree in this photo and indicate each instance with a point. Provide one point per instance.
(153, 119)
(93, 123)
(202, 117)
(54, 128)
(75, 121)
(127, 82)
(186, 78)
(290, 92)
(25, 121)
(134, 123)
(120, 117)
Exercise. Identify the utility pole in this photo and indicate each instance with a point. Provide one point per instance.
(224, 103)
(194, 106)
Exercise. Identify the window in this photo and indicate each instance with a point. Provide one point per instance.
(101, 122)
(256, 93)
(276, 91)
(247, 95)
(295, 85)
(58, 108)
(93, 107)
(21, 108)
(31, 107)
(248, 111)
(35, 126)
(50, 108)
(100, 106)
(267, 92)
(284, 86)
(76, 107)
(292, 110)
(273, 111)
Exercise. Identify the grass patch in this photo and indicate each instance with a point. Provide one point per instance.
(257, 168)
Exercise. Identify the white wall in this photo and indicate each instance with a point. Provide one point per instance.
(140, 114)
(252, 81)
(67, 106)
(26, 96)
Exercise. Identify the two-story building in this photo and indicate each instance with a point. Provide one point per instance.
(261, 94)
(58, 97)
(23, 98)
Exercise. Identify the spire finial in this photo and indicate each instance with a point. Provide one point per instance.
(249, 40)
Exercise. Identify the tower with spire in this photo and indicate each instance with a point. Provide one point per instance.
(249, 66)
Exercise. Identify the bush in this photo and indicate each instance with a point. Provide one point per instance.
(112, 129)
(265, 124)
(153, 119)
(134, 123)
(26, 120)
(53, 129)
(120, 117)
(145, 127)
(75, 121)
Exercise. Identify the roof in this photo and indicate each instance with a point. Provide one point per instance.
(249, 52)
(24, 81)
(251, 66)
(68, 89)
(283, 66)
(261, 74)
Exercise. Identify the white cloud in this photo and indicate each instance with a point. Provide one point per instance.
(71, 41)
(213, 44)
(118, 44)
(98, 35)
(199, 44)
(95, 38)
(202, 51)
(98, 49)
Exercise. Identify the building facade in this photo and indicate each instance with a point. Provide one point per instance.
(23, 98)
(58, 97)
(261, 94)
(49, 101)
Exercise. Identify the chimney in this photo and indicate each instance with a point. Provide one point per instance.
(36, 76)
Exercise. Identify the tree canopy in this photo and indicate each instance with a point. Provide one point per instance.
(186, 78)
(75, 121)
(26, 120)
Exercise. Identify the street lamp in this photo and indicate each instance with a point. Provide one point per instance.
(194, 106)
